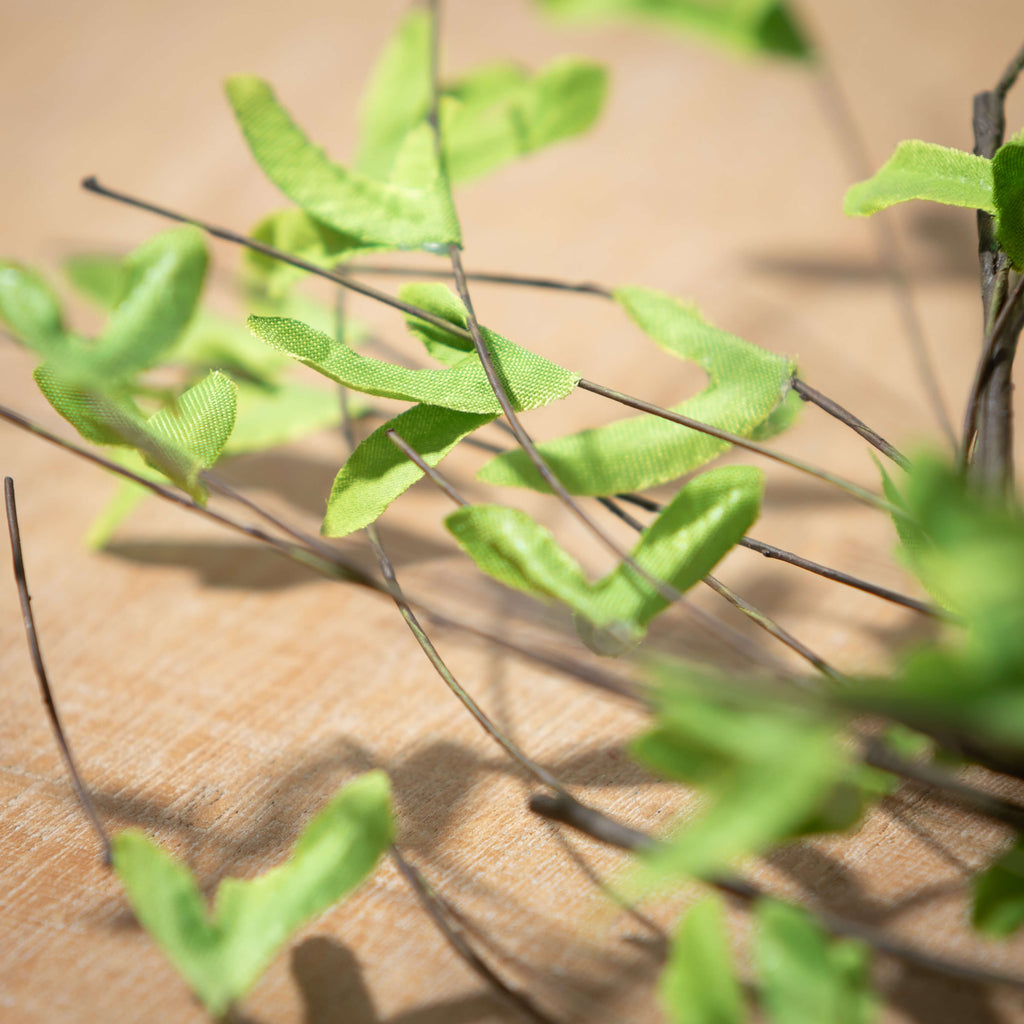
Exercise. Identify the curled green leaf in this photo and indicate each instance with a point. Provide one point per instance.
(923, 170)
(377, 472)
(222, 954)
(746, 385)
(530, 380)
(691, 534)
(414, 209)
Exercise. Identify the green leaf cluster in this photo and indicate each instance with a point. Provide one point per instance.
(968, 550)
(726, 737)
(804, 977)
(222, 953)
(397, 193)
(923, 170)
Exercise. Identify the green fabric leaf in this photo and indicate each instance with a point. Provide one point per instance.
(398, 94)
(30, 308)
(222, 955)
(377, 472)
(163, 280)
(999, 895)
(179, 441)
(745, 26)
(530, 380)
(923, 170)
(412, 211)
(690, 535)
(805, 977)
(727, 743)
(746, 385)
(199, 422)
(699, 984)
(1008, 196)
(103, 279)
(442, 345)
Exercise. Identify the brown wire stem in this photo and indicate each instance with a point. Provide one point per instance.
(36, 653)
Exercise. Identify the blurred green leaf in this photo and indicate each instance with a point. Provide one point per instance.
(101, 278)
(727, 742)
(690, 535)
(923, 170)
(1008, 196)
(698, 984)
(222, 955)
(746, 26)
(805, 977)
(746, 385)
(31, 309)
(999, 895)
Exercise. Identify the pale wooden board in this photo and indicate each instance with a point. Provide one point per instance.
(216, 696)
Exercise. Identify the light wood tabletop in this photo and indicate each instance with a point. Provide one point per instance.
(216, 695)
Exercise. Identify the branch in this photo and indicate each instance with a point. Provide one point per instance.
(35, 651)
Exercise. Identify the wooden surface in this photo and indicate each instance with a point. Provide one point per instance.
(215, 695)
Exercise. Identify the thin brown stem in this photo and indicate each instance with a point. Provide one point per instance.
(833, 408)
(36, 654)
(515, 280)
(770, 626)
(440, 913)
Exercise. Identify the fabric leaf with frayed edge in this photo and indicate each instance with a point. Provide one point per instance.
(746, 385)
(690, 535)
(29, 306)
(999, 895)
(923, 170)
(530, 380)
(727, 742)
(746, 26)
(222, 954)
(698, 984)
(1008, 195)
(413, 210)
(807, 978)
(377, 472)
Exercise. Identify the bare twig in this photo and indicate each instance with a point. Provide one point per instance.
(441, 915)
(516, 280)
(35, 651)
(833, 408)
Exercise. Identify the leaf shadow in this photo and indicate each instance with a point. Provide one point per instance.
(333, 991)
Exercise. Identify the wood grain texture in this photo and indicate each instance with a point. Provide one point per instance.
(215, 695)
